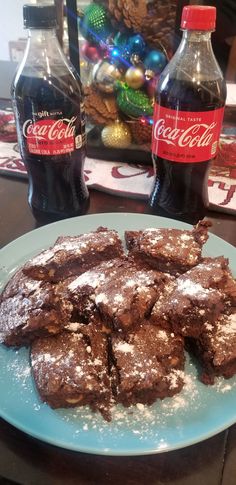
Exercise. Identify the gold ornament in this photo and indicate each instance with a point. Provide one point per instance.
(116, 135)
(104, 75)
(134, 77)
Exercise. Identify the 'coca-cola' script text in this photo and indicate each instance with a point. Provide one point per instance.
(50, 137)
(177, 138)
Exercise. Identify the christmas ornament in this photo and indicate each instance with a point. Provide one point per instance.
(134, 77)
(91, 52)
(95, 25)
(120, 57)
(121, 40)
(104, 75)
(116, 135)
(155, 61)
(151, 86)
(149, 74)
(135, 60)
(136, 45)
(133, 102)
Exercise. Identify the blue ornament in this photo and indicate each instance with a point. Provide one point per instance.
(136, 45)
(155, 61)
(120, 57)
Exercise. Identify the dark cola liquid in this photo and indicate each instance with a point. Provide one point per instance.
(56, 184)
(180, 189)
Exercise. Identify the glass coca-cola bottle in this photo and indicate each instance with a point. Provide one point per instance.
(49, 111)
(188, 113)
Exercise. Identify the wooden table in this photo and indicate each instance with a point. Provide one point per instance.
(28, 461)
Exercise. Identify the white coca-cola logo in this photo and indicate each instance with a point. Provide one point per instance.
(62, 128)
(197, 135)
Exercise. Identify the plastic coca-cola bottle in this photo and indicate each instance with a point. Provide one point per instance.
(49, 111)
(188, 114)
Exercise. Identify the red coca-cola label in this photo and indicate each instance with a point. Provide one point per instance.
(51, 137)
(186, 136)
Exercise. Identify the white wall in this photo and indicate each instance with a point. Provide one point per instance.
(11, 24)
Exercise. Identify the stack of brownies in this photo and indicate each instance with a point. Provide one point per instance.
(110, 324)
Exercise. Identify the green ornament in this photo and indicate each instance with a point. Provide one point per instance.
(95, 25)
(133, 102)
(121, 40)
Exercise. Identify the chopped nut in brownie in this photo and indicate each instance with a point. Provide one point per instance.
(71, 369)
(73, 255)
(148, 365)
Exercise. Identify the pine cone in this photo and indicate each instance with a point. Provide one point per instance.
(131, 12)
(158, 26)
(141, 133)
(99, 109)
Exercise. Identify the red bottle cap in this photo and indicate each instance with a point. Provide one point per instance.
(198, 17)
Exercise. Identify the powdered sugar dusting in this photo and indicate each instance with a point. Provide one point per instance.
(147, 424)
(187, 287)
(124, 347)
(230, 325)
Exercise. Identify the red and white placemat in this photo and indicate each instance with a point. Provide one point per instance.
(130, 180)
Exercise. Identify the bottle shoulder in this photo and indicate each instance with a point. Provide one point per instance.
(193, 61)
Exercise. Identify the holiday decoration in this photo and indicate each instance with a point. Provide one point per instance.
(155, 61)
(141, 131)
(132, 12)
(104, 75)
(91, 52)
(135, 77)
(100, 109)
(120, 57)
(151, 86)
(159, 24)
(116, 135)
(124, 56)
(136, 45)
(133, 102)
(95, 25)
(121, 39)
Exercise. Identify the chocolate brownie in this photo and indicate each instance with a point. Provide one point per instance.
(216, 348)
(148, 365)
(211, 272)
(30, 308)
(80, 290)
(200, 294)
(73, 255)
(187, 306)
(171, 250)
(71, 369)
(126, 298)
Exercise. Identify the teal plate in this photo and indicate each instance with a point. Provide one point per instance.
(195, 414)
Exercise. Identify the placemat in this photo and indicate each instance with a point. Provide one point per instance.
(132, 180)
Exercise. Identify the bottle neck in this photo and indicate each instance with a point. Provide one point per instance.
(197, 36)
(196, 41)
(42, 40)
(43, 53)
(194, 58)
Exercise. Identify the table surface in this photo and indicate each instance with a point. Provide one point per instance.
(26, 460)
